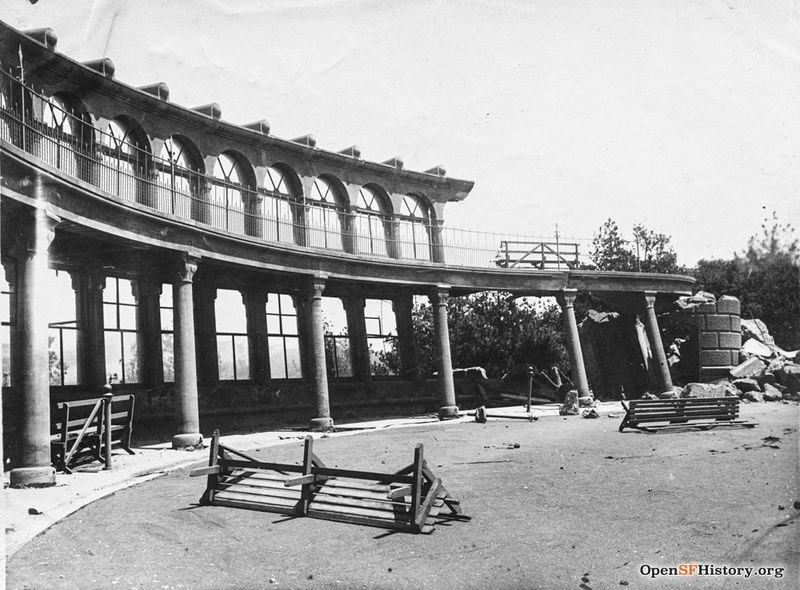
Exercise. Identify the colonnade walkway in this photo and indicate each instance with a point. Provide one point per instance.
(92, 482)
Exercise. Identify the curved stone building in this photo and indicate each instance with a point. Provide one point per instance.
(187, 259)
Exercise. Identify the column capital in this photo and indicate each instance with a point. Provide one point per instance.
(187, 266)
(37, 231)
(649, 299)
(566, 297)
(439, 294)
(318, 285)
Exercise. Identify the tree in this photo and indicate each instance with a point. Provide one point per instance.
(610, 249)
(765, 278)
(647, 252)
(494, 330)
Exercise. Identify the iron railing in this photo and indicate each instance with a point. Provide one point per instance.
(130, 171)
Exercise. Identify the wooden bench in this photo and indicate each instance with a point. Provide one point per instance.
(412, 499)
(78, 430)
(702, 412)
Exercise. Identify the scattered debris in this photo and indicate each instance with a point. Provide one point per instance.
(592, 413)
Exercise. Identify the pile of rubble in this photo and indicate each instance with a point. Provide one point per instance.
(766, 372)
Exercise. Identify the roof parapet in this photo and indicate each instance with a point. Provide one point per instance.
(396, 162)
(160, 90)
(353, 151)
(308, 140)
(212, 110)
(45, 36)
(103, 65)
(437, 171)
(261, 126)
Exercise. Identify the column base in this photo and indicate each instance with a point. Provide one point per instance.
(321, 423)
(33, 477)
(448, 412)
(187, 441)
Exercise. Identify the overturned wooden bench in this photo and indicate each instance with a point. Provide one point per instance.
(78, 430)
(412, 499)
(703, 412)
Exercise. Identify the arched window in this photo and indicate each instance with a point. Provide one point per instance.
(228, 194)
(414, 229)
(370, 223)
(325, 229)
(177, 177)
(67, 136)
(124, 157)
(277, 207)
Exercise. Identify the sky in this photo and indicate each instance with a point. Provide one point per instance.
(681, 115)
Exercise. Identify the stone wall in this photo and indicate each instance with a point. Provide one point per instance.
(719, 338)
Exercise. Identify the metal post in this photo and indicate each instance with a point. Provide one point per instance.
(530, 387)
(107, 397)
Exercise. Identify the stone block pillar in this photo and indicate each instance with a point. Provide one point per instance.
(187, 412)
(33, 381)
(255, 304)
(357, 333)
(406, 338)
(438, 298)
(660, 366)
(566, 299)
(89, 285)
(322, 410)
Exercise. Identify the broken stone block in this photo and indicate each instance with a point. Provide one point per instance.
(753, 396)
(772, 393)
(752, 367)
(719, 389)
(758, 330)
(789, 377)
(767, 378)
(746, 385)
(753, 347)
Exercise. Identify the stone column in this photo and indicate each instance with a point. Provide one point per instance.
(255, 304)
(147, 293)
(349, 234)
(391, 230)
(444, 364)
(566, 299)
(89, 286)
(664, 381)
(406, 338)
(437, 242)
(33, 381)
(187, 412)
(357, 333)
(322, 410)
(253, 216)
(205, 294)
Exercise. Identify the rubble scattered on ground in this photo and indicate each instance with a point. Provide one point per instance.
(766, 371)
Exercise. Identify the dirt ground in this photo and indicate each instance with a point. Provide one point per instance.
(576, 505)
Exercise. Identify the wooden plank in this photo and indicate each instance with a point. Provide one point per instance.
(213, 469)
(238, 503)
(237, 495)
(318, 506)
(369, 475)
(298, 481)
(372, 503)
(678, 416)
(280, 467)
(262, 493)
